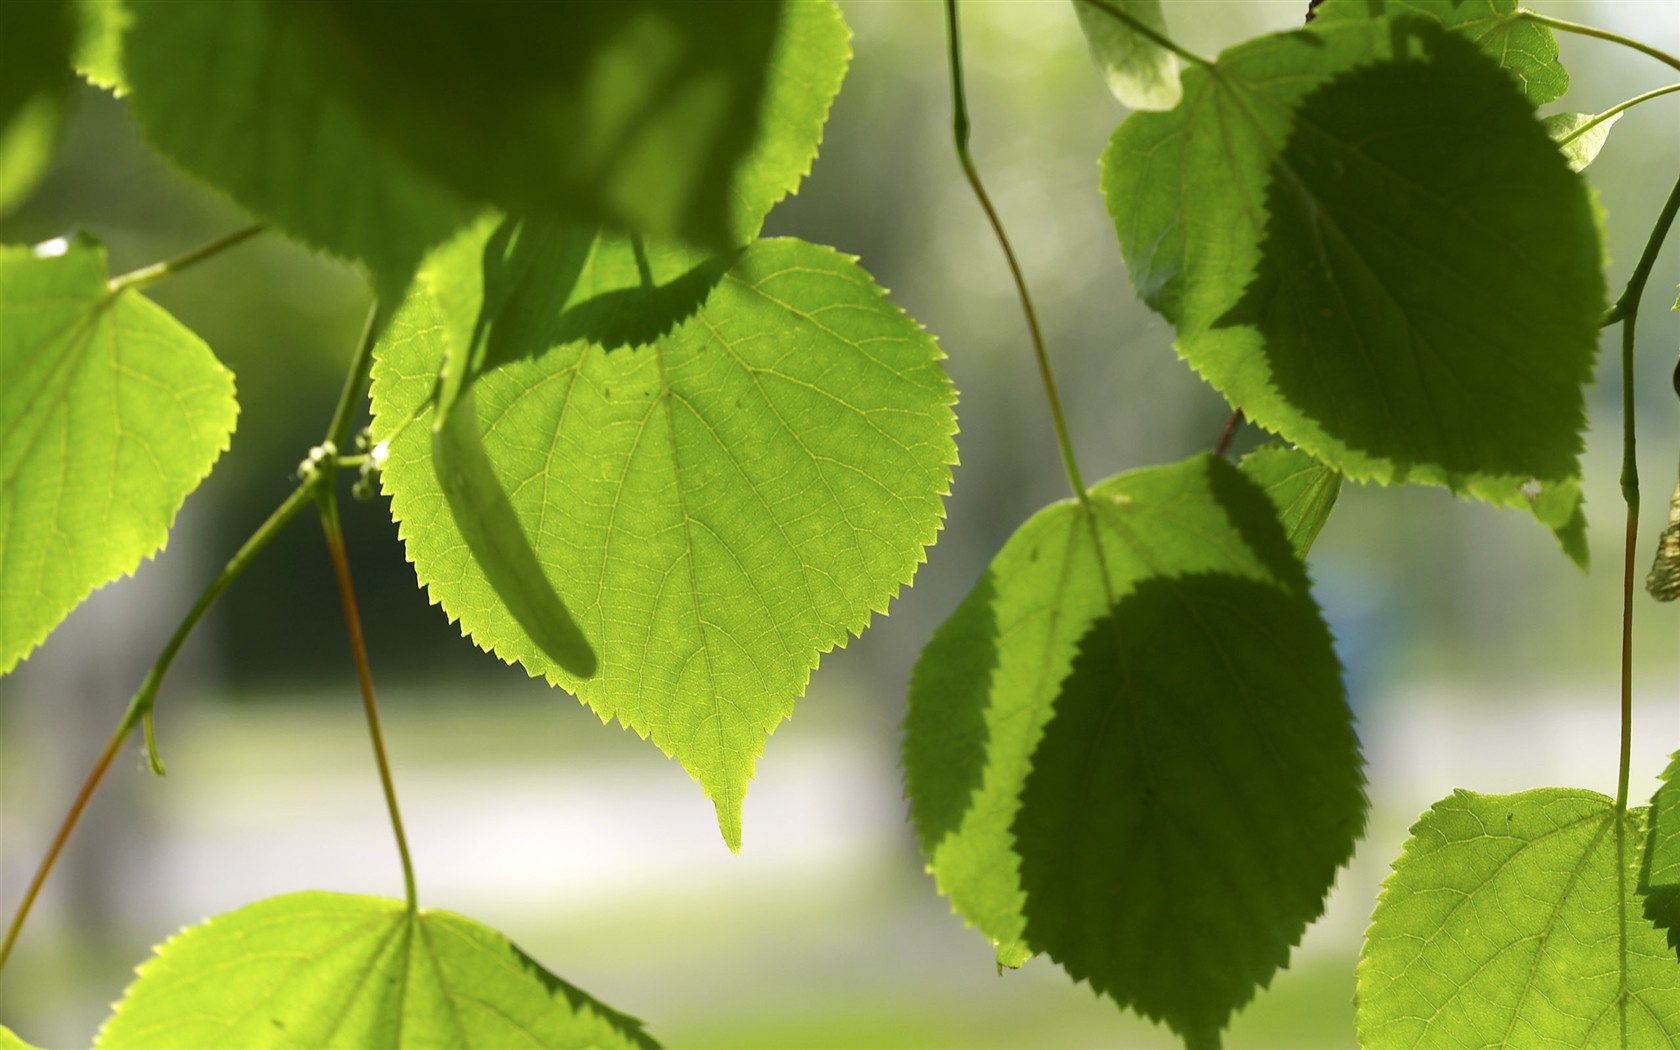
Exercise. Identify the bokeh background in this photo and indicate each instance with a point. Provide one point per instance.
(1476, 655)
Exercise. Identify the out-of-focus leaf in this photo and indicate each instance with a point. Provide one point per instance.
(110, 413)
(34, 74)
(1141, 73)
(1579, 147)
(321, 969)
(99, 47)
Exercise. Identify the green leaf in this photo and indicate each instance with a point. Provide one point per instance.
(1341, 224)
(33, 79)
(1141, 73)
(1579, 147)
(722, 467)
(643, 114)
(1659, 877)
(1513, 920)
(236, 96)
(99, 47)
(322, 969)
(110, 414)
(1524, 49)
(1302, 489)
(1129, 748)
(9, 1040)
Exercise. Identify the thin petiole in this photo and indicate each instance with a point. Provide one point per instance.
(158, 271)
(1601, 34)
(960, 129)
(1615, 110)
(1130, 22)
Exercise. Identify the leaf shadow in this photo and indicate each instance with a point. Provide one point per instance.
(497, 542)
(1662, 897)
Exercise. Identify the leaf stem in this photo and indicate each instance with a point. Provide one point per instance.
(344, 414)
(159, 270)
(328, 502)
(140, 707)
(1626, 310)
(960, 129)
(1159, 40)
(1562, 26)
(1615, 110)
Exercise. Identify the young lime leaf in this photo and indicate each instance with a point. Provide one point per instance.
(660, 118)
(33, 79)
(110, 414)
(1525, 50)
(338, 970)
(1141, 73)
(722, 468)
(1578, 149)
(98, 55)
(1514, 920)
(1346, 243)
(1134, 727)
(1302, 489)
(233, 92)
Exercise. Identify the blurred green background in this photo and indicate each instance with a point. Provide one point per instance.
(1476, 655)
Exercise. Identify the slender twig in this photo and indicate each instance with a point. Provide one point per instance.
(1226, 432)
(1602, 34)
(140, 707)
(1616, 110)
(960, 128)
(338, 431)
(358, 650)
(1131, 22)
(158, 271)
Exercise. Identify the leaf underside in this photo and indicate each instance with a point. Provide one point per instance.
(111, 413)
(721, 468)
(1514, 920)
(318, 969)
(1348, 250)
(1129, 749)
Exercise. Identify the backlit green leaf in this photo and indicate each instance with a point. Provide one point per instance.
(35, 72)
(1128, 748)
(658, 117)
(99, 47)
(110, 414)
(1514, 920)
(1579, 147)
(9, 1040)
(1659, 879)
(721, 467)
(1141, 73)
(1522, 48)
(321, 969)
(1302, 489)
(1347, 246)
(235, 95)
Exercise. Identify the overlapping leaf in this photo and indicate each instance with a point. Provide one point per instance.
(1302, 489)
(719, 468)
(1522, 48)
(334, 970)
(9, 1040)
(1659, 877)
(1514, 920)
(110, 414)
(1141, 73)
(1128, 748)
(642, 113)
(33, 79)
(99, 46)
(1578, 136)
(1347, 247)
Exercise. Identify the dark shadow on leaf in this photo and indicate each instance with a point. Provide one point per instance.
(1407, 300)
(546, 284)
(629, 1028)
(1659, 868)
(1193, 794)
(945, 737)
(497, 541)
